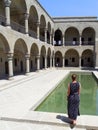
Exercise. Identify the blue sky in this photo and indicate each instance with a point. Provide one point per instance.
(70, 7)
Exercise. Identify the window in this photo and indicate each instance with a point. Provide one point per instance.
(89, 40)
(74, 40)
(15, 62)
(82, 40)
(73, 59)
(88, 59)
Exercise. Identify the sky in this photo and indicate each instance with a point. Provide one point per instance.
(70, 8)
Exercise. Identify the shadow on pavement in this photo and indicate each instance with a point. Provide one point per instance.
(66, 120)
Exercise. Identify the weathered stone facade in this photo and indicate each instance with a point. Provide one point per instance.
(31, 40)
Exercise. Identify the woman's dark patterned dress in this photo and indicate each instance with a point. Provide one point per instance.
(73, 101)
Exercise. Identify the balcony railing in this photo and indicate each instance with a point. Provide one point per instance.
(42, 38)
(71, 43)
(2, 20)
(32, 34)
(74, 43)
(17, 27)
(58, 43)
(87, 43)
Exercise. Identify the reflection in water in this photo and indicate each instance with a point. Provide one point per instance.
(57, 100)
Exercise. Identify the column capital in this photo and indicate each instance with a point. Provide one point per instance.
(7, 3)
(38, 23)
(10, 55)
(38, 56)
(27, 56)
(26, 16)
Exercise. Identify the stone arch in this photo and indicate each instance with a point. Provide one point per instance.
(58, 59)
(19, 61)
(71, 36)
(33, 57)
(33, 19)
(4, 49)
(87, 58)
(88, 36)
(72, 58)
(48, 32)
(48, 56)
(18, 9)
(58, 37)
(42, 27)
(42, 57)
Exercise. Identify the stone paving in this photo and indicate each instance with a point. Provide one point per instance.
(22, 94)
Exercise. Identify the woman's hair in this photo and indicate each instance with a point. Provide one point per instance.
(73, 77)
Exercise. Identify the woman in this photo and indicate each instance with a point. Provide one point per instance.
(73, 99)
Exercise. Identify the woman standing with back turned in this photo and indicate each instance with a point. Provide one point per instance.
(73, 99)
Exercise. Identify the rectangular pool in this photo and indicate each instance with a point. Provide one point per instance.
(57, 100)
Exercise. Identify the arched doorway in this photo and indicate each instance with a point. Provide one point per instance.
(88, 36)
(20, 50)
(58, 59)
(72, 36)
(4, 49)
(43, 57)
(87, 59)
(71, 58)
(58, 37)
(33, 57)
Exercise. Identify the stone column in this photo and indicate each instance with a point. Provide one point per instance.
(27, 56)
(7, 12)
(80, 40)
(53, 61)
(50, 61)
(38, 62)
(10, 65)
(63, 40)
(95, 60)
(80, 62)
(96, 54)
(45, 34)
(45, 62)
(26, 23)
(38, 29)
(50, 38)
(53, 40)
(63, 61)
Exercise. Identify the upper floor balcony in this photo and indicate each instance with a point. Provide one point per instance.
(22, 29)
(74, 43)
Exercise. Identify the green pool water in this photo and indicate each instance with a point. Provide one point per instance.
(57, 100)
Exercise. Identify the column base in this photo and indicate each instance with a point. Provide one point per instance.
(27, 73)
(27, 34)
(8, 25)
(37, 70)
(11, 78)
